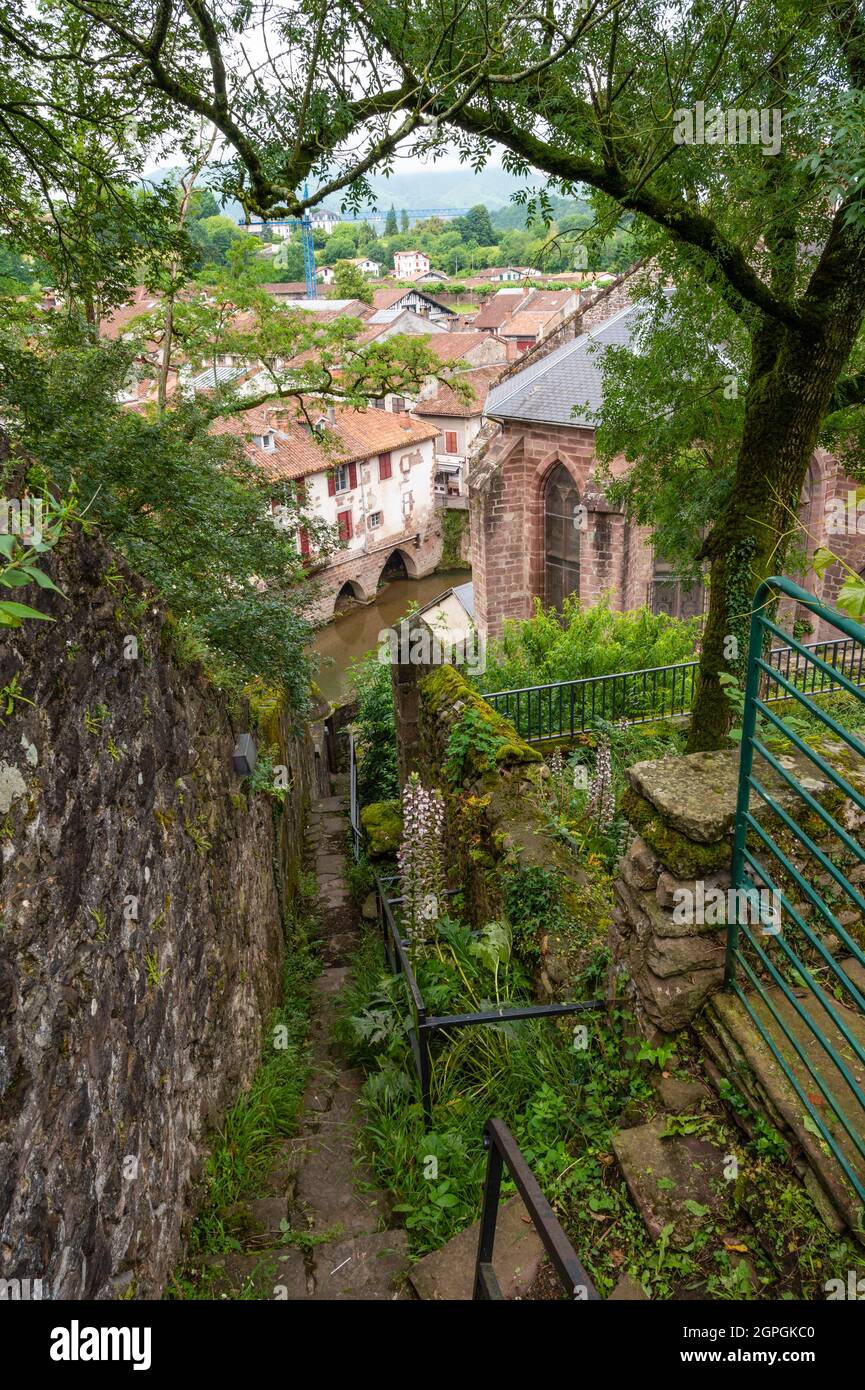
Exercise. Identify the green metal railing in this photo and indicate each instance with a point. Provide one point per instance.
(563, 709)
(806, 1001)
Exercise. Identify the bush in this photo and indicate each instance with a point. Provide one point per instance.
(580, 642)
(375, 727)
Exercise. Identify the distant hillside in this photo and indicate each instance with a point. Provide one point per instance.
(440, 188)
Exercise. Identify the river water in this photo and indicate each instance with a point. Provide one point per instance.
(356, 632)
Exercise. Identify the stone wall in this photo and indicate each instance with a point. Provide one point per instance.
(141, 939)
(507, 526)
(496, 822)
(683, 810)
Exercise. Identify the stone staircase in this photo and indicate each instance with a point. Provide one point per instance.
(320, 1231)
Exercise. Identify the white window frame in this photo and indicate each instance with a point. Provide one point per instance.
(342, 468)
(374, 524)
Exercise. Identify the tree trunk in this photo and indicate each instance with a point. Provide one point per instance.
(793, 378)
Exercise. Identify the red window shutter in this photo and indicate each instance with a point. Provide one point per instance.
(331, 485)
(450, 442)
(304, 541)
(345, 527)
(352, 475)
(384, 469)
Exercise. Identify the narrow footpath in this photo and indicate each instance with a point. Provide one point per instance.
(335, 1244)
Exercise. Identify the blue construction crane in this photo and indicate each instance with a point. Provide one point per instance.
(305, 226)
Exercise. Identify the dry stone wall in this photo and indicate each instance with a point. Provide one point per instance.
(141, 938)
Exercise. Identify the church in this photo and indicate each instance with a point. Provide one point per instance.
(541, 525)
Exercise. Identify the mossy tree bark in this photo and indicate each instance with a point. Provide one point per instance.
(794, 373)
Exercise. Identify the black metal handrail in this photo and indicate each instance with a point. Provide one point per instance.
(504, 1152)
(563, 709)
(425, 1025)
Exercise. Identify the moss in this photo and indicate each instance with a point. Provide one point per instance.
(382, 825)
(444, 687)
(683, 857)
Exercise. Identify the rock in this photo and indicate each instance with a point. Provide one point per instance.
(680, 1096)
(695, 794)
(675, 1181)
(683, 857)
(369, 911)
(628, 1290)
(367, 1267)
(668, 886)
(670, 1002)
(639, 867)
(681, 955)
(448, 1273)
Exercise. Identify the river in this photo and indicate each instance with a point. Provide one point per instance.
(356, 632)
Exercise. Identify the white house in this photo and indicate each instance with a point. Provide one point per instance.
(374, 487)
(458, 423)
(367, 266)
(326, 274)
(409, 263)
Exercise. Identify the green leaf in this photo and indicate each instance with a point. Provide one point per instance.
(21, 610)
(696, 1209)
(823, 558)
(7, 544)
(41, 578)
(13, 579)
(851, 597)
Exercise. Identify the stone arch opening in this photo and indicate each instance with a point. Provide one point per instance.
(563, 514)
(349, 595)
(398, 565)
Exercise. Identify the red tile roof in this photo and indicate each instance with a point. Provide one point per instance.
(359, 434)
(499, 309)
(449, 347)
(446, 402)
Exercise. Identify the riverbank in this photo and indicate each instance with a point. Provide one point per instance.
(351, 634)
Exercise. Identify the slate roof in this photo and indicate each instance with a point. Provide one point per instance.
(547, 391)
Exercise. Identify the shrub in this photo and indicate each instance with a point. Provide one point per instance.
(581, 642)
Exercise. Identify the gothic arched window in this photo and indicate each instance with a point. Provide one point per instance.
(561, 538)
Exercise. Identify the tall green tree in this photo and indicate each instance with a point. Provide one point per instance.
(350, 283)
(762, 207)
(390, 222)
(403, 221)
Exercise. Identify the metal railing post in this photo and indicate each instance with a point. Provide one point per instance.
(489, 1213)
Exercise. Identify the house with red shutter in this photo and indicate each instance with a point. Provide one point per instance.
(407, 264)
(372, 483)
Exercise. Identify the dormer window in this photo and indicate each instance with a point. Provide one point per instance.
(265, 441)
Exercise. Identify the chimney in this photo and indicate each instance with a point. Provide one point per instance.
(331, 415)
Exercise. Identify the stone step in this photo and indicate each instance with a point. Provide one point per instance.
(743, 1056)
(448, 1274)
(274, 1274)
(329, 803)
(327, 1188)
(665, 1175)
(366, 1267)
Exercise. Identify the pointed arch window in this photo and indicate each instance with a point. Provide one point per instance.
(561, 538)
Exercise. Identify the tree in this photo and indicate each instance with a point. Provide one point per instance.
(390, 224)
(403, 221)
(202, 203)
(350, 283)
(731, 135)
(478, 226)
